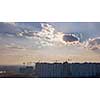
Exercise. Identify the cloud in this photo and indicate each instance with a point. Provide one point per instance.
(70, 38)
(93, 44)
(46, 37)
(15, 46)
(17, 27)
(33, 26)
(49, 36)
(7, 27)
(84, 27)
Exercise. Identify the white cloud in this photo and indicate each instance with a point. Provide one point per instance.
(15, 46)
(48, 36)
(93, 44)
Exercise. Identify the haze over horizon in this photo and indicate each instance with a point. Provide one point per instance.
(49, 41)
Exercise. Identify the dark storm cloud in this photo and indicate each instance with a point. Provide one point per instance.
(70, 38)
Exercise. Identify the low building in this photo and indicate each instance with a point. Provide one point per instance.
(26, 70)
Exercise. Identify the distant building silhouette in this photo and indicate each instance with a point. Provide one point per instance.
(52, 70)
(67, 70)
(26, 70)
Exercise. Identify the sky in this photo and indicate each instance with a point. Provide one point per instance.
(49, 42)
